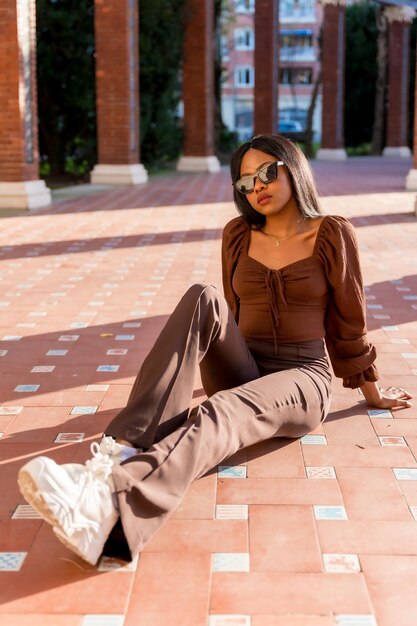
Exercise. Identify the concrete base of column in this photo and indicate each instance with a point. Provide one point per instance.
(411, 181)
(198, 164)
(331, 154)
(397, 151)
(27, 194)
(103, 174)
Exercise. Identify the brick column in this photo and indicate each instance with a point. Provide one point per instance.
(333, 81)
(266, 66)
(399, 19)
(20, 187)
(116, 24)
(198, 89)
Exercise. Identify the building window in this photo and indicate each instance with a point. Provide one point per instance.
(245, 6)
(244, 39)
(296, 76)
(244, 76)
(297, 8)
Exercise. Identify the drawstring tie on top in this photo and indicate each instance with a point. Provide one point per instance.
(274, 284)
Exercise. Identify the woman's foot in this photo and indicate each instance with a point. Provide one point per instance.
(77, 500)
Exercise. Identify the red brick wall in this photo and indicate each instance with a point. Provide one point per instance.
(16, 164)
(333, 76)
(198, 79)
(117, 124)
(398, 83)
(266, 66)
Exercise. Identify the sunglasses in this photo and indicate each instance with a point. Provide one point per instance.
(266, 174)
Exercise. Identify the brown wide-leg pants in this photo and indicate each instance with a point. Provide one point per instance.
(254, 394)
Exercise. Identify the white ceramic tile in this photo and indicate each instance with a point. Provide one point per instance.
(69, 437)
(83, 410)
(132, 324)
(390, 328)
(69, 337)
(341, 563)
(405, 473)
(108, 368)
(392, 441)
(96, 387)
(380, 413)
(11, 561)
(399, 341)
(231, 562)
(355, 620)
(3, 352)
(232, 511)
(42, 369)
(381, 317)
(374, 306)
(38, 313)
(26, 325)
(229, 620)
(10, 410)
(25, 511)
(103, 620)
(323, 512)
(79, 325)
(409, 297)
(232, 471)
(321, 472)
(11, 338)
(314, 440)
(409, 355)
(125, 337)
(57, 352)
(116, 352)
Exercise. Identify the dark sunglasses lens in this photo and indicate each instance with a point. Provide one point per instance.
(245, 185)
(268, 173)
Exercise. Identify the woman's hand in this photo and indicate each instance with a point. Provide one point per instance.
(388, 398)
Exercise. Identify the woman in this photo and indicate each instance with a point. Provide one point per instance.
(292, 283)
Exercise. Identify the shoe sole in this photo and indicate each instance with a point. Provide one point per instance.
(30, 491)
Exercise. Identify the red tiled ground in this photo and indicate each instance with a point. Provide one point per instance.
(93, 267)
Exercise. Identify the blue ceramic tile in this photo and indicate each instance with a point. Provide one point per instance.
(236, 471)
(57, 352)
(329, 512)
(405, 473)
(314, 440)
(26, 388)
(380, 413)
(108, 368)
(11, 561)
(84, 410)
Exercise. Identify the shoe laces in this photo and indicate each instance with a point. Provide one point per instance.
(100, 465)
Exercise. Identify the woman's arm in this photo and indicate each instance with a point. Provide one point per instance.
(385, 398)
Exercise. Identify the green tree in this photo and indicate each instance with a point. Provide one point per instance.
(66, 84)
(161, 25)
(361, 71)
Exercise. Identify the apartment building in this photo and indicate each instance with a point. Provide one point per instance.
(298, 32)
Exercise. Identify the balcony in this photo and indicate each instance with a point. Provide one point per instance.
(298, 54)
(297, 16)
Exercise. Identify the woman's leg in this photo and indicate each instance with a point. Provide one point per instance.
(151, 485)
(201, 330)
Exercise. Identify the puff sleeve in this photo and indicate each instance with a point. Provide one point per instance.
(351, 354)
(232, 245)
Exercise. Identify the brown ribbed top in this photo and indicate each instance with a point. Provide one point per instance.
(320, 296)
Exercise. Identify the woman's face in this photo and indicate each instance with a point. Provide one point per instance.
(266, 198)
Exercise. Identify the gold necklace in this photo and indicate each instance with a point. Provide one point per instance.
(278, 241)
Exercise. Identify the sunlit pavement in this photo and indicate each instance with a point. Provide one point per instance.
(320, 531)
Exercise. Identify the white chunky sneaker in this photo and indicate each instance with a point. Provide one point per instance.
(118, 452)
(76, 499)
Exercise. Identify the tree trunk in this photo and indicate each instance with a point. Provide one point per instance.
(381, 83)
(308, 148)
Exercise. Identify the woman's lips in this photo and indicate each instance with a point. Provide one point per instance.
(264, 199)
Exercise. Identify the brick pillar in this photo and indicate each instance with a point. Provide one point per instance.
(333, 81)
(198, 89)
(266, 66)
(116, 25)
(20, 187)
(399, 19)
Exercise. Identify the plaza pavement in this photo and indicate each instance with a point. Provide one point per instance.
(320, 531)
